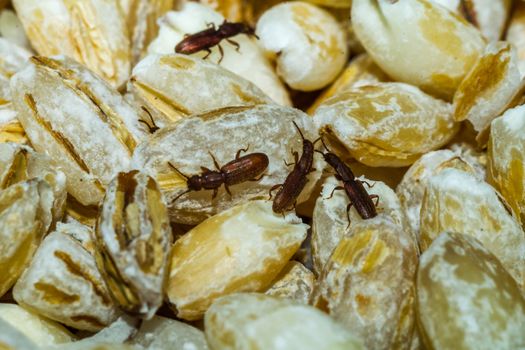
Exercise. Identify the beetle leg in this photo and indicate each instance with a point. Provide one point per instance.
(217, 166)
(228, 190)
(257, 178)
(348, 207)
(366, 183)
(180, 195)
(215, 191)
(335, 189)
(208, 53)
(376, 197)
(210, 25)
(222, 54)
(235, 44)
(286, 163)
(273, 189)
(295, 156)
(238, 154)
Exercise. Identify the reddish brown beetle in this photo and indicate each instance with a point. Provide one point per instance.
(241, 169)
(289, 191)
(356, 192)
(206, 39)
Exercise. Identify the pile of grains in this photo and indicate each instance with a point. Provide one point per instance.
(262, 174)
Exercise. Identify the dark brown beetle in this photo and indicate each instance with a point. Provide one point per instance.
(356, 192)
(241, 169)
(289, 191)
(208, 38)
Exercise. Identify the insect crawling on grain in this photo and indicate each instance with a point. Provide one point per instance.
(212, 36)
(241, 169)
(289, 191)
(356, 192)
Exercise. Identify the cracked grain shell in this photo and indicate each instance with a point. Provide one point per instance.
(294, 282)
(63, 282)
(418, 42)
(185, 88)
(92, 32)
(241, 249)
(187, 145)
(133, 240)
(367, 285)
(330, 223)
(250, 320)
(456, 201)
(25, 217)
(466, 299)
(85, 126)
(386, 124)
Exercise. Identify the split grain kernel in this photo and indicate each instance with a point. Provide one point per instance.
(63, 282)
(133, 239)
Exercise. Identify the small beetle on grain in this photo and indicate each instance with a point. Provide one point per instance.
(289, 191)
(208, 38)
(356, 192)
(241, 169)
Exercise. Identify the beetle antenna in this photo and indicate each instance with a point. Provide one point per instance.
(300, 132)
(178, 171)
(324, 144)
(180, 195)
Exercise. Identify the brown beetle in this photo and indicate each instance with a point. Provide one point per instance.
(289, 191)
(356, 192)
(241, 169)
(207, 38)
